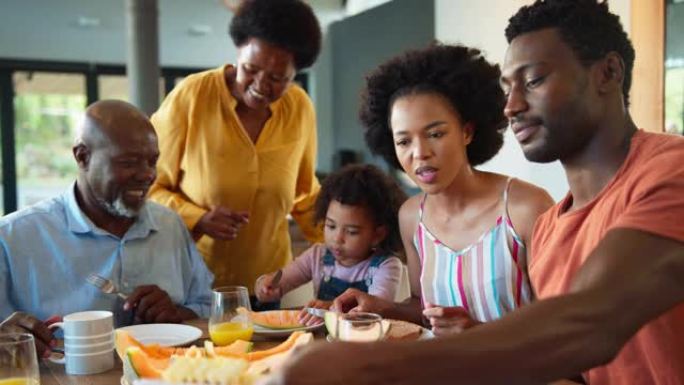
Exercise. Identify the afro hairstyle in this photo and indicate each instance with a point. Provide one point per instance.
(288, 24)
(459, 74)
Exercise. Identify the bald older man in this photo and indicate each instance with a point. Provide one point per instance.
(102, 224)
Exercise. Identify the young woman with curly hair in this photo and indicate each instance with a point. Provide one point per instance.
(238, 144)
(436, 113)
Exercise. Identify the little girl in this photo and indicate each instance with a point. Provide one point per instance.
(358, 206)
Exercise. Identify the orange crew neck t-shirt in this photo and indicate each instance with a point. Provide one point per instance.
(646, 194)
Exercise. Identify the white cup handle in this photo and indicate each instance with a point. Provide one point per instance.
(53, 357)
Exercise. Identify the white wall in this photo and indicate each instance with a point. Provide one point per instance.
(481, 24)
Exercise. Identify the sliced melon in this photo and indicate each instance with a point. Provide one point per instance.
(236, 350)
(277, 319)
(331, 323)
(200, 370)
(274, 361)
(286, 345)
(210, 370)
(237, 347)
(124, 341)
(143, 365)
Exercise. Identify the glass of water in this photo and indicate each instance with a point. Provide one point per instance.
(359, 327)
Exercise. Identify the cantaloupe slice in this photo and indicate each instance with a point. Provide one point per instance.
(124, 341)
(210, 370)
(236, 349)
(286, 345)
(143, 365)
(274, 361)
(200, 370)
(277, 319)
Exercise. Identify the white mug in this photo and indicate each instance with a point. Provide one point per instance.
(88, 342)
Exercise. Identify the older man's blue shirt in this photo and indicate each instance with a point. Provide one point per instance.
(48, 250)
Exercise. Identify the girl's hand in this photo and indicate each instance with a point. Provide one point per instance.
(448, 320)
(310, 319)
(265, 291)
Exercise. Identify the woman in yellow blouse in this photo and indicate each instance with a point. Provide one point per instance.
(238, 144)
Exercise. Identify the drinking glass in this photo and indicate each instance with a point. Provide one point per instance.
(230, 315)
(359, 327)
(18, 362)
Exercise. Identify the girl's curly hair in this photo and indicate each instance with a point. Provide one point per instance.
(366, 185)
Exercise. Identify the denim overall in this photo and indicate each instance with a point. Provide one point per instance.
(331, 287)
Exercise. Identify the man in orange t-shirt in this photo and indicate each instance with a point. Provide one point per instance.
(607, 262)
(568, 84)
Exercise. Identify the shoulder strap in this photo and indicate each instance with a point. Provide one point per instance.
(328, 258)
(377, 260)
(420, 208)
(505, 197)
(373, 266)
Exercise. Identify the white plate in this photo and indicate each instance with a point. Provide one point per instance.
(164, 334)
(260, 330)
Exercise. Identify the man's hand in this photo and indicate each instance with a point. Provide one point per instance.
(153, 305)
(220, 223)
(356, 300)
(448, 320)
(324, 363)
(20, 322)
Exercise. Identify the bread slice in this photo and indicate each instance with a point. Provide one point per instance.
(403, 330)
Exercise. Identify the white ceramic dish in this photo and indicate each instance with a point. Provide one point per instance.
(260, 330)
(164, 334)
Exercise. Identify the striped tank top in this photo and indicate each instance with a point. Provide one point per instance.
(486, 278)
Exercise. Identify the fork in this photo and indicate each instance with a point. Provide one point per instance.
(105, 285)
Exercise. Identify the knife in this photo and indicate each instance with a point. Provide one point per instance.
(276, 279)
(316, 312)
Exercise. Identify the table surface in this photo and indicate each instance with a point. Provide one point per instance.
(54, 374)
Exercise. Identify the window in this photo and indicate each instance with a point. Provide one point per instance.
(47, 107)
(40, 105)
(674, 67)
(116, 87)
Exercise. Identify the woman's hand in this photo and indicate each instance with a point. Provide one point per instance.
(357, 300)
(220, 223)
(264, 289)
(309, 319)
(448, 320)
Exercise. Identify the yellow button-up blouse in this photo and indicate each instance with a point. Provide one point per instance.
(208, 159)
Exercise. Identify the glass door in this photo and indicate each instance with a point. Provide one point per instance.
(47, 107)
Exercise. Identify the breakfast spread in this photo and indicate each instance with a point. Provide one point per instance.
(234, 364)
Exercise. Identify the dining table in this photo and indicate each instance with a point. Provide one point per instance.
(55, 374)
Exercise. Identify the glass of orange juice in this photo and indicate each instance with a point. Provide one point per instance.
(230, 320)
(18, 362)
